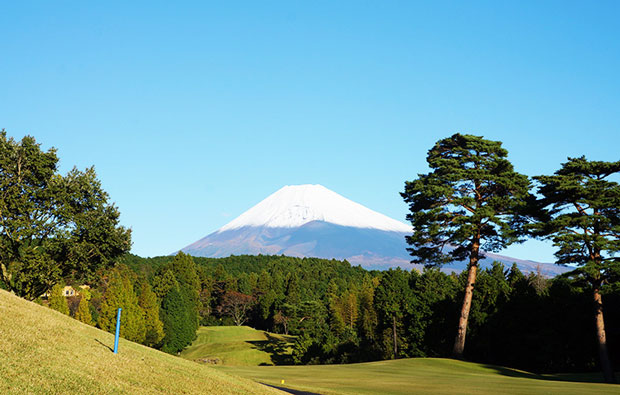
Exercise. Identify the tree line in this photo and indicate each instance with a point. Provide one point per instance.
(344, 314)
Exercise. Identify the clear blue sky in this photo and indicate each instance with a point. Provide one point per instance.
(192, 112)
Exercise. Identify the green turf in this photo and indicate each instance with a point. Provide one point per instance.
(418, 376)
(45, 352)
(239, 345)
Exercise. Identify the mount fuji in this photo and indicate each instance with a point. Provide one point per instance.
(313, 221)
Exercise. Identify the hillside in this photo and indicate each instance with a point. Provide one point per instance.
(239, 346)
(43, 351)
(420, 376)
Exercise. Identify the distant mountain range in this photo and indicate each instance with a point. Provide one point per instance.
(313, 221)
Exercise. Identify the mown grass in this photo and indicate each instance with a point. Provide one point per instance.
(43, 351)
(418, 376)
(240, 346)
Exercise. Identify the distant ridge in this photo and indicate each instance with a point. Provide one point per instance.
(313, 221)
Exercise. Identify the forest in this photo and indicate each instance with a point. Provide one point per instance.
(344, 314)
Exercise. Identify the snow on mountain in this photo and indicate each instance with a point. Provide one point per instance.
(312, 221)
(296, 205)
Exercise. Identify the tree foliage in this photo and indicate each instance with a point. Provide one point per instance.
(150, 305)
(52, 226)
(178, 287)
(57, 300)
(82, 313)
(471, 200)
(582, 218)
(237, 305)
(120, 293)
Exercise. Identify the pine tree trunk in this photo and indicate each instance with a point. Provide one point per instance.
(608, 372)
(459, 341)
(395, 337)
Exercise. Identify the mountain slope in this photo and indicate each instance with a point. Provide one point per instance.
(312, 221)
(43, 351)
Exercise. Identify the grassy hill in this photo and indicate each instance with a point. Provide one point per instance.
(420, 376)
(43, 351)
(239, 345)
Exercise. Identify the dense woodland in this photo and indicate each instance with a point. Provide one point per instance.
(344, 314)
(60, 229)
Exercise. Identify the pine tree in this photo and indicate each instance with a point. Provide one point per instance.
(583, 221)
(57, 301)
(470, 201)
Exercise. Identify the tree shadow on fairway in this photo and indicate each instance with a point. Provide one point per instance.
(590, 377)
(278, 349)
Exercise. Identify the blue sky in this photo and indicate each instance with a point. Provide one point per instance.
(192, 112)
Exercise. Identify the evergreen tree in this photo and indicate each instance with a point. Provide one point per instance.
(583, 221)
(57, 300)
(120, 293)
(83, 311)
(150, 305)
(393, 300)
(183, 268)
(469, 201)
(175, 320)
(163, 283)
(293, 292)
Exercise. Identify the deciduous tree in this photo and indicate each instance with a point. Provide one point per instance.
(236, 305)
(52, 226)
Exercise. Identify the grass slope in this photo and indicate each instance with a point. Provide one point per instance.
(418, 376)
(240, 346)
(43, 351)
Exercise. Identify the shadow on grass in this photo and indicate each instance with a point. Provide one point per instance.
(277, 349)
(290, 390)
(591, 377)
(105, 345)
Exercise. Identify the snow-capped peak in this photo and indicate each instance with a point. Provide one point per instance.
(296, 205)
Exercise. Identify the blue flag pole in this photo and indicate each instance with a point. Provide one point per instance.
(118, 330)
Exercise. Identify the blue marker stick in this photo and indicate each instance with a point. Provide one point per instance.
(118, 330)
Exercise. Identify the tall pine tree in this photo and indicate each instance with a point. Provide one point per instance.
(583, 221)
(468, 202)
